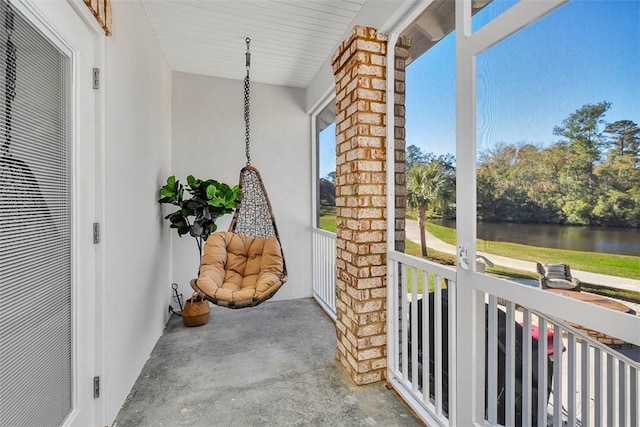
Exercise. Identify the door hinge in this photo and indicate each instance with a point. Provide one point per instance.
(96, 233)
(96, 387)
(96, 78)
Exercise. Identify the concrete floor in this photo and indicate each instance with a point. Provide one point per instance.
(271, 365)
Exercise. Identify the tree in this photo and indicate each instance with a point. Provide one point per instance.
(591, 176)
(517, 182)
(618, 202)
(415, 155)
(424, 186)
(331, 176)
(487, 190)
(495, 183)
(584, 137)
(624, 140)
(445, 205)
(327, 192)
(554, 181)
(584, 134)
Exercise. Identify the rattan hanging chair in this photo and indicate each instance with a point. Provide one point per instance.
(245, 265)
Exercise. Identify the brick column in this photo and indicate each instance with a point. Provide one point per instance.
(359, 69)
(401, 54)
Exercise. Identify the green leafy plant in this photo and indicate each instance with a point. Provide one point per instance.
(197, 214)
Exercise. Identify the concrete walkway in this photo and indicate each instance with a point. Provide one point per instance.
(413, 233)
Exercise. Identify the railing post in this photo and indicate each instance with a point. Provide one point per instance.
(470, 320)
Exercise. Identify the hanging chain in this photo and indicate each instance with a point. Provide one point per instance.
(246, 104)
(10, 77)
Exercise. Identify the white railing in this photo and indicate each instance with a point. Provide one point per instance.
(420, 335)
(533, 367)
(324, 270)
(541, 371)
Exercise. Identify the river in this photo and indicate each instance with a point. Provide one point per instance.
(623, 241)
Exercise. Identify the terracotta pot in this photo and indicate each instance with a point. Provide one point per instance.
(196, 311)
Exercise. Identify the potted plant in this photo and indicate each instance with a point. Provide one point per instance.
(197, 217)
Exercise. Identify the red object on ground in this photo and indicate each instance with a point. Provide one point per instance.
(535, 334)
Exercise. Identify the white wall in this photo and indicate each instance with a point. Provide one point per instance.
(208, 142)
(136, 242)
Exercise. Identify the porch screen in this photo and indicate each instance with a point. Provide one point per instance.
(35, 226)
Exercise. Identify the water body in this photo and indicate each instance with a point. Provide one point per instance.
(623, 241)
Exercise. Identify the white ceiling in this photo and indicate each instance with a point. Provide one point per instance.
(290, 39)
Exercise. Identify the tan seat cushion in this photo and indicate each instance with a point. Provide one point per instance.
(240, 269)
(560, 284)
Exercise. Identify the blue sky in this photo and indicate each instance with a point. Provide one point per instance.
(587, 51)
(327, 151)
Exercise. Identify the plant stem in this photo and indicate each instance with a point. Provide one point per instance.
(199, 243)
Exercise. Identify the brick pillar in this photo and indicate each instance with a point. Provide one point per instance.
(401, 54)
(359, 69)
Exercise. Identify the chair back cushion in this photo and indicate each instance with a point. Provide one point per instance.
(556, 271)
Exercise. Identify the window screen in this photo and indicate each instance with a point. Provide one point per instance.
(325, 180)
(35, 226)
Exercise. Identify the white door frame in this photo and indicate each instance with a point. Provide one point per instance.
(71, 27)
(99, 54)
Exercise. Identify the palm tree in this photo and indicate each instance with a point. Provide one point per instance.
(425, 184)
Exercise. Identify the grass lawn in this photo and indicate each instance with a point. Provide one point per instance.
(609, 264)
(327, 222)
(594, 262)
